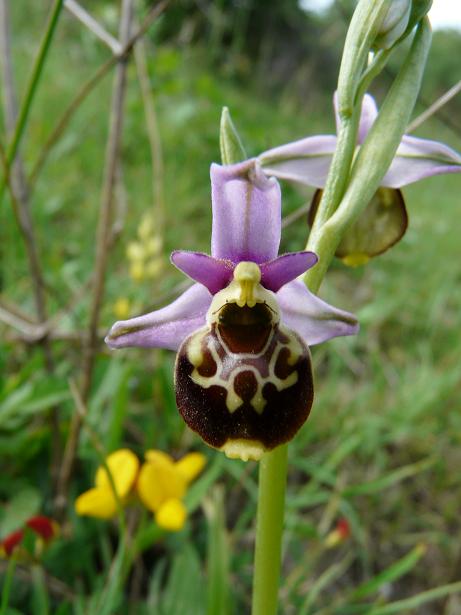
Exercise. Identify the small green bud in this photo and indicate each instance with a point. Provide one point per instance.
(232, 150)
(419, 9)
(366, 21)
(394, 24)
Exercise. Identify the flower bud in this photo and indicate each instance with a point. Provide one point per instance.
(232, 150)
(394, 24)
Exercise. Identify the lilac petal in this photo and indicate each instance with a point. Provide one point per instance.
(306, 161)
(419, 158)
(367, 116)
(285, 268)
(164, 328)
(313, 319)
(246, 213)
(213, 273)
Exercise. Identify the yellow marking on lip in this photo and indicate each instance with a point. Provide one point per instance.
(194, 350)
(243, 449)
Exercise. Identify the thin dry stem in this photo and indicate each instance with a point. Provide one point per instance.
(102, 244)
(55, 586)
(19, 192)
(436, 106)
(140, 55)
(93, 25)
(16, 179)
(88, 87)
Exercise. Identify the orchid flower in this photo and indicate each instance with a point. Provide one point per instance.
(384, 222)
(243, 372)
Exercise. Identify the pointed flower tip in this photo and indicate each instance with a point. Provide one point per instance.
(114, 335)
(248, 170)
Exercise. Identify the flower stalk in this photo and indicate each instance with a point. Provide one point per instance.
(374, 157)
(269, 531)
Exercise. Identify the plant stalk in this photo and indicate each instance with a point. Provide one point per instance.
(37, 69)
(269, 530)
(102, 252)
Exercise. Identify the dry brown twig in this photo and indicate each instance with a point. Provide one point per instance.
(102, 244)
(436, 106)
(92, 24)
(20, 198)
(156, 153)
(16, 181)
(88, 87)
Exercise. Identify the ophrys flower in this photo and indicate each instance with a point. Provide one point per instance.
(242, 331)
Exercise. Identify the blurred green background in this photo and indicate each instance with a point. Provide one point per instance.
(382, 446)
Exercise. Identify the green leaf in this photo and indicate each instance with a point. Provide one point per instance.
(331, 574)
(24, 504)
(26, 402)
(384, 482)
(414, 602)
(198, 489)
(185, 590)
(218, 550)
(393, 572)
(232, 150)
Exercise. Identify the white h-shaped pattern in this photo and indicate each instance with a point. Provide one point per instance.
(242, 362)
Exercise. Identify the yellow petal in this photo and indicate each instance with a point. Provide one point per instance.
(135, 251)
(191, 465)
(99, 503)
(355, 260)
(137, 271)
(158, 482)
(123, 466)
(155, 455)
(146, 227)
(122, 308)
(153, 246)
(171, 515)
(153, 268)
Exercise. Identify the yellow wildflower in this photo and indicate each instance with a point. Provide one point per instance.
(145, 254)
(137, 270)
(135, 251)
(122, 308)
(162, 484)
(146, 227)
(153, 268)
(101, 501)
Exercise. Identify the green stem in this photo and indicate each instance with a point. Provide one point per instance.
(269, 529)
(374, 157)
(7, 585)
(31, 88)
(340, 168)
(367, 171)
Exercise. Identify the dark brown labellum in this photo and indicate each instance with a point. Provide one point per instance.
(244, 379)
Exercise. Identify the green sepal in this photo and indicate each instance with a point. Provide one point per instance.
(232, 150)
(364, 27)
(419, 9)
